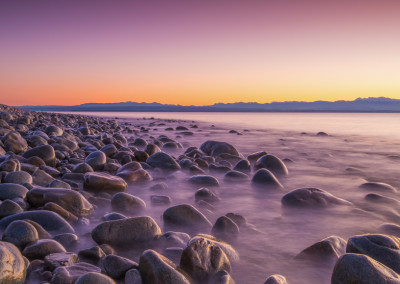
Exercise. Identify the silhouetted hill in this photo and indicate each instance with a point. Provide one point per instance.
(380, 104)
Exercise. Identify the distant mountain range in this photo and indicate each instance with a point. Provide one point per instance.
(380, 104)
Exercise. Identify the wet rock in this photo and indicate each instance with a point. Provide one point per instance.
(326, 250)
(20, 233)
(160, 200)
(202, 259)
(358, 268)
(92, 254)
(225, 229)
(133, 277)
(116, 266)
(382, 248)
(82, 168)
(94, 277)
(138, 176)
(14, 142)
(45, 152)
(264, 178)
(67, 240)
(185, 216)
(205, 194)
(59, 184)
(242, 166)
(42, 178)
(50, 221)
(157, 269)
(203, 180)
(163, 161)
(126, 231)
(68, 199)
(127, 203)
(99, 182)
(214, 148)
(255, 156)
(276, 279)
(131, 166)
(96, 160)
(12, 265)
(174, 239)
(54, 260)
(222, 277)
(41, 248)
(312, 198)
(378, 187)
(11, 165)
(11, 191)
(273, 164)
(9, 207)
(69, 274)
(235, 176)
(18, 177)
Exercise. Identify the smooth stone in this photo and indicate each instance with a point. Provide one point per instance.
(94, 253)
(50, 221)
(276, 279)
(151, 149)
(203, 180)
(381, 199)
(41, 178)
(312, 198)
(157, 269)
(163, 161)
(67, 240)
(266, 179)
(273, 164)
(109, 150)
(10, 165)
(133, 277)
(359, 268)
(174, 239)
(201, 259)
(94, 277)
(54, 130)
(326, 250)
(69, 274)
(235, 176)
(225, 229)
(9, 207)
(96, 160)
(215, 148)
(126, 231)
(14, 142)
(131, 166)
(18, 177)
(378, 187)
(45, 152)
(41, 248)
(82, 168)
(255, 156)
(13, 268)
(59, 184)
(160, 200)
(243, 166)
(20, 233)
(127, 203)
(98, 182)
(237, 218)
(221, 277)
(382, 248)
(116, 266)
(113, 216)
(206, 195)
(138, 176)
(54, 260)
(185, 216)
(11, 191)
(70, 200)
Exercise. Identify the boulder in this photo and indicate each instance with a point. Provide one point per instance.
(276, 279)
(215, 148)
(203, 180)
(187, 217)
(94, 277)
(12, 265)
(163, 161)
(265, 179)
(20, 233)
(126, 231)
(69, 274)
(11, 191)
(14, 142)
(96, 160)
(225, 229)
(45, 152)
(41, 248)
(18, 177)
(127, 203)
(99, 182)
(157, 269)
(273, 164)
(312, 198)
(54, 260)
(378, 187)
(138, 176)
(9, 207)
(326, 250)
(116, 266)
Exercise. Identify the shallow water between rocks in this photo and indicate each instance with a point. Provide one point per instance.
(335, 163)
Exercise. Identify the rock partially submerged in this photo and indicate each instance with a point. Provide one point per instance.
(312, 198)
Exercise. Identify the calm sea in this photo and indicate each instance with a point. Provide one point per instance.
(384, 125)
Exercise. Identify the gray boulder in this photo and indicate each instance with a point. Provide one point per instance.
(273, 164)
(312, 198)
(41, 248)
(326, 250)
(185, 216)
(12, 265)
(20, 233)
(265, 179)
(96, 160)
(11, 191)
(45, 152)
(116, 266)
(18, 177)
(163, 161)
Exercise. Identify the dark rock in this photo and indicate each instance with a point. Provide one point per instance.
(312, 198)
(326, 250)
(11, 191)
(378, 187)
(214, 148)
(264, 178)
(20, 233)
(94, 277)
(45, 152)
(205, 194)
(99, 182)
(225, 229)
(235, 176)
(242, 166)
(203, 180)
(113, 216)
(238, 219)
(94, 254)
(273, 164)
(116, 266)
(14, 142)
(9, 207)
(185, 216)
(138, 176)
(18, 177)
(157, 269)
(174, 239)
(67, 240)
(222, 277)
(69, 274)
(163, 161)
(41, 248)
(358, 268)
(276, 279)
(96, 160)
(54, 260)
(126, 231)
(127, 203)
(83, 168)
(160, 200)
(133, 277)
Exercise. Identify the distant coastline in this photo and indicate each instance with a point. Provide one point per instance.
(360, 105)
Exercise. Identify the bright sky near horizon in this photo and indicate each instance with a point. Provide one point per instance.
(197, 52)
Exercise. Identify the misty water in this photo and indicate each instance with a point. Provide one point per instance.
(358, 148)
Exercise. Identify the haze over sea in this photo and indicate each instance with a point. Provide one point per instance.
(384, 125)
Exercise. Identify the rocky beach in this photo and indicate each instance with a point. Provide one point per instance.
(103, 200)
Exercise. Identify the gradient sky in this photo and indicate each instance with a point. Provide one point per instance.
(197, 52)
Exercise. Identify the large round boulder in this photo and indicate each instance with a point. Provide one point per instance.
(99, 182)
(263, 178)
(12, 190)
(127, 203)
(273, 164)
(42, 248)
(45, 152)
(12, 265)
(185, 216)
(163, 161)
(96, 160)
(157, 269)
(14, 142)
(215, 148)
(312, 198)
(126, 231)
(20, 233)
(326, 250)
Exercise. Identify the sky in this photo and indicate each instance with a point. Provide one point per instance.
(59, 52)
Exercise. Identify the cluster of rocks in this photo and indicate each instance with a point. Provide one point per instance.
(59, 171)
